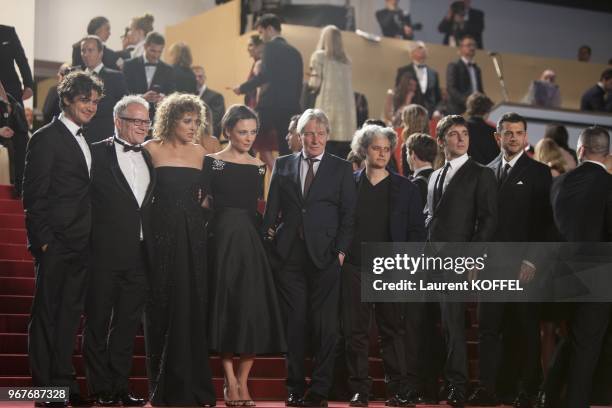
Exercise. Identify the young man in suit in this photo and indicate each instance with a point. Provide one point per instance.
(463, 76)
(148, 75)
(461, 18)
(599, 97)
(214, 100)
(310, 214)
(100, 27)
(426, 77)
(421, 152)
(282, 73)
(394, 22)
(389, 209)
(121, 192)
(56, 198)
(101, 126)
(461, 207)
(12, 52)
(582, 208)
(525, 215)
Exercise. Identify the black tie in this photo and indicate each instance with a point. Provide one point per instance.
(439, 186)
(150, 64)
(309, 174)
(504, 173)
(128, 147)
(79, 132)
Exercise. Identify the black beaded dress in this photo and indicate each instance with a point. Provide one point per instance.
(244, 315)
(176, 313)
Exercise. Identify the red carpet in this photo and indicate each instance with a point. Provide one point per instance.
(16, 290)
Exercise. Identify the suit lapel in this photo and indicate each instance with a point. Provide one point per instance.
(295, 170)
(515, 172)
(72, 144)
(152, 177)
(116, 170)
(456, 180)
(141, 67)
(318, 175)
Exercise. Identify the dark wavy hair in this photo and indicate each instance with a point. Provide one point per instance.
(95, 24)
(78, 83)
(171, 110)
(236, 113)
(446, 123)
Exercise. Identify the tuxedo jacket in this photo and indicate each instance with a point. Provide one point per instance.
(102, 125)
(216, 104)
(282, 71)
(185, 80)
(483, 147)
(51, 107)
(422, 181)
(474, 27)
(467, 211)
(56, 190)
(458, 85)
(326, 214)
(109, 57)
(432, 97)
(582, 204)
(134, 71)
(406, 220)
(116, 215)
(12, 52)
(594, 99)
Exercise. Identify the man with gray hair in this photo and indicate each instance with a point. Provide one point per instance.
(426, 77)
(582, 208)
(309, 219)
(122, 184)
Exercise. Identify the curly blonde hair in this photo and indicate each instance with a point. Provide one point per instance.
(172, 109)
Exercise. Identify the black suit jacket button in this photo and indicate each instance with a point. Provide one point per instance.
(303, 211)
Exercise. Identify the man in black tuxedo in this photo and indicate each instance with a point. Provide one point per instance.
(213, 100)
(310, 214)
(11, 52)
(56, 199)
(100, 27)
(421, 152)
(426, 77)
(463, 77)
(101, 126)
(389, 209)
(599, 97)
(525, 215)
(461, 19)
(122, 184)
(394, 22)
(282, 74)
(582, 208)
(148, 75)
(461, 207)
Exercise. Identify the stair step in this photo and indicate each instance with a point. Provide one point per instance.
(12, 221)
(6, 192)
(9, 206)
(15, 304)
(13, 236)
(14, 323)
(16, 286)
(12, 268)
(14, 251)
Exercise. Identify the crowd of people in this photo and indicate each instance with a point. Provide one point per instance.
(136, 212)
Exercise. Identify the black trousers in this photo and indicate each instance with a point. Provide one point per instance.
(525, 319)
(588, 326)
(61, 278)
(113, 311)
(432, 354)
(356, 317)
(310, 298)
(453, 327)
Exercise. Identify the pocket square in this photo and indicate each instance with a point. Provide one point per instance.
(519, 183)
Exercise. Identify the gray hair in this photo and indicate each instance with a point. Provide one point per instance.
(595, 140)
(310, 114)
(123, 103)
(363, 138)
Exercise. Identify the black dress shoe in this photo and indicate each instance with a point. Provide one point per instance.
(359, 400)
(398, 400)
(483, 398)
(77, 401)
(128, 400)
(106, 399)
(542, 400)
(522, 400)
(312, 399)
(456, 397)
(413, 397)
(293, 399)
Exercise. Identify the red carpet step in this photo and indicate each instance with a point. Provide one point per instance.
(6, 192)
(16, 286)
(14, 252)
(21, 268)
(12, 220)
(10, 206)
(13, 236)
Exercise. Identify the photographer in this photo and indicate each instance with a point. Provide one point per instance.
(460, 20)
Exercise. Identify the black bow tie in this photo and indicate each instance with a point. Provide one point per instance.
(421, 66)
(79, 132)
(150, 64)
(128, 147)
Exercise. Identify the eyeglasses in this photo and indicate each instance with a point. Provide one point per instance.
(378, 149)
(137, 122)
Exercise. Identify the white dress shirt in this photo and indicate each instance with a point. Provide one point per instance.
(135, 171)
(202, 90)
(80, 139)
(417, 171)
(455, 165)
(421, 74)
(472, 71)
(97, 69)
(304, 166)
(149, 71)
(511, 162)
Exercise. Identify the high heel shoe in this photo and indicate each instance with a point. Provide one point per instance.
(229, 402)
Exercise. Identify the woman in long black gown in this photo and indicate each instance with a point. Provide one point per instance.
(175, 324)
(244, 314)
